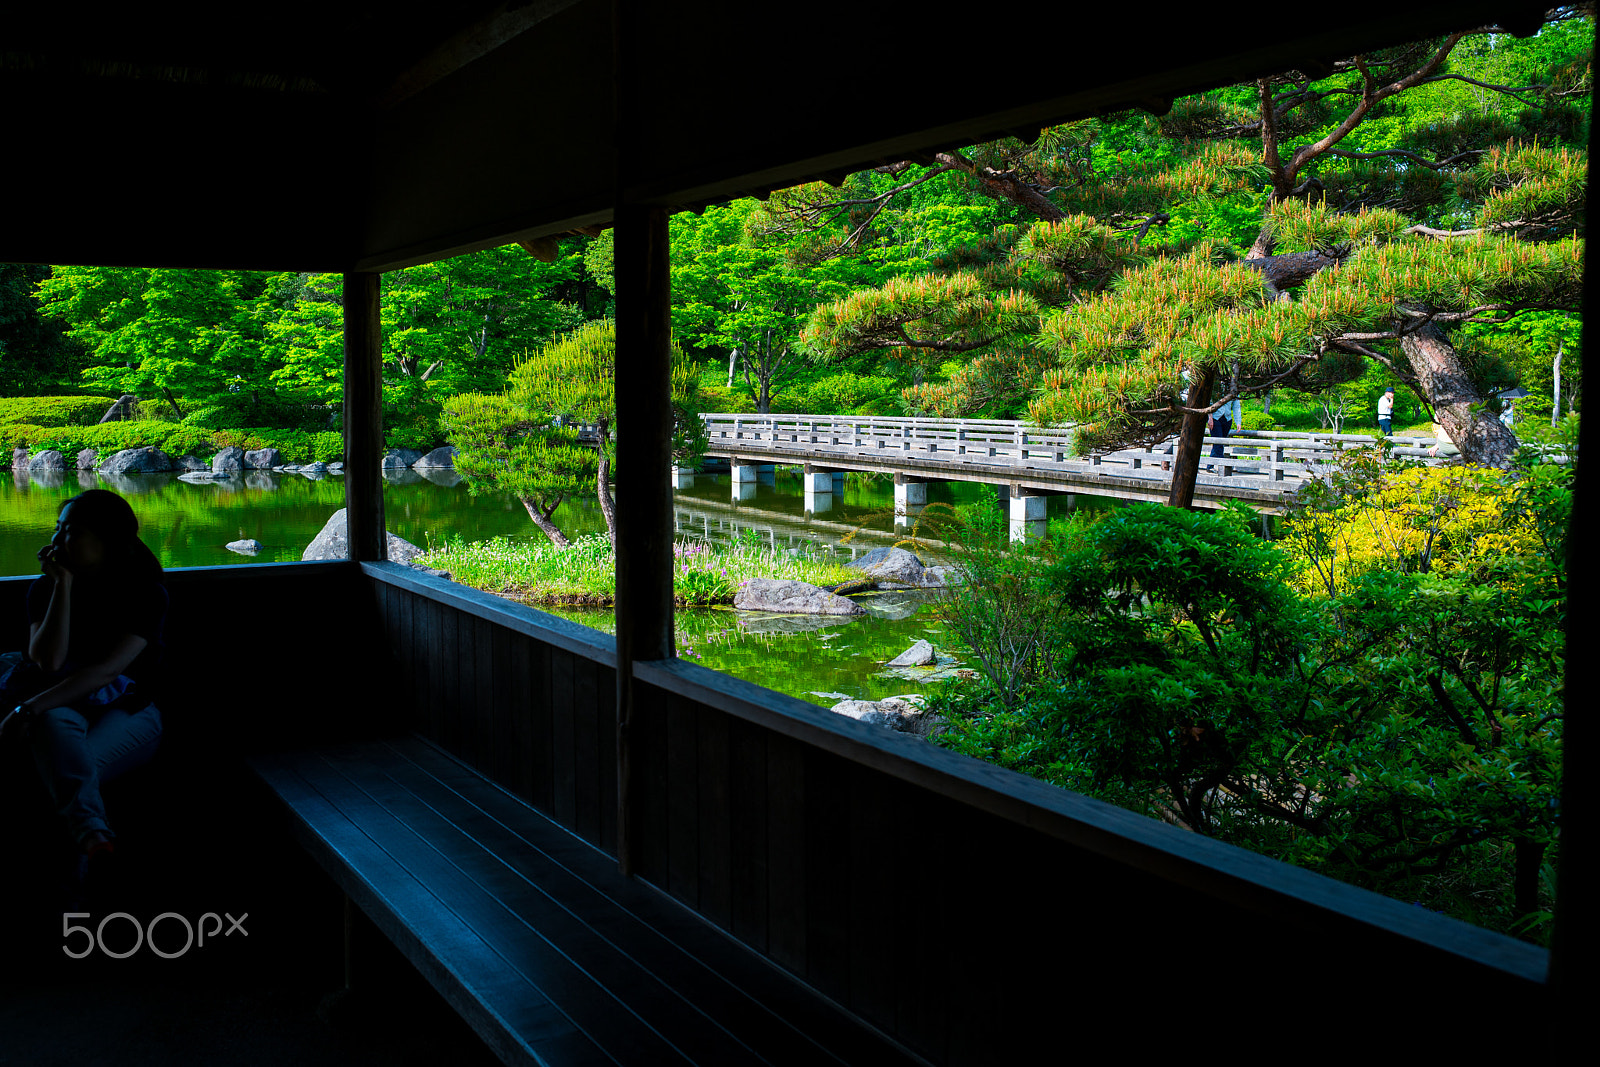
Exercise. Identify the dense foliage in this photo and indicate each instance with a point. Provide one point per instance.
(1397, 726)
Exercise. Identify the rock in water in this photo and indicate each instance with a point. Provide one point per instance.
(248, 547)
(229, 459)
(941, 577)
(890, 565)
(137, 461)
(263, 459)
(920, 654)
(443, 456)
(19, 459)
(333, 542)
(48, 460)
(191, 463)
(88, 459)
(791, 597)
(901, 714)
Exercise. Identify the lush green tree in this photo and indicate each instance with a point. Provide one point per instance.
(504, 448)
(522, 440)
(1143, 289)
(742, 291)
(172, 333)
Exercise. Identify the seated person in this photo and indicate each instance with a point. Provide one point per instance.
(82, 692)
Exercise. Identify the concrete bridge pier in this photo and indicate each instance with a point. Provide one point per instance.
(683, 477)
(819, 493)
(1027, 516)
(767, 474)
(744, 477)
(910, 497)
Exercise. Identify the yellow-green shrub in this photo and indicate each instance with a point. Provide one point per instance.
(1448, 520)
(53, 410)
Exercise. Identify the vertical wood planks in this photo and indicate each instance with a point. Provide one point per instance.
(564, 802)
(541, 722)
(483, 703)
(448, 714)
(522, 713)
(747, 809)
(786, 852)
(586, 711)
(406, 658)
(828, 873)
(715, 830)
(876, 803)
(607, 723)
(683, 803)
(650, 777)
(503, 710)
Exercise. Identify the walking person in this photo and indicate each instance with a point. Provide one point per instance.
(1221, 424)
(83, 688)
(1386, 412)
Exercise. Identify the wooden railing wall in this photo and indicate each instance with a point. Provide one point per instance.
(969, 911)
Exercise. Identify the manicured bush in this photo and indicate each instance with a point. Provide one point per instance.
(53, 410)
(1255, 420)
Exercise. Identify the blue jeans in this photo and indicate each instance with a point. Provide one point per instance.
(76, 750)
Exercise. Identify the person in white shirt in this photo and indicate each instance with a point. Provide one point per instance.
(1386, 411)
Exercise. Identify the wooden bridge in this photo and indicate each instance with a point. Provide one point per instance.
(1265, 469)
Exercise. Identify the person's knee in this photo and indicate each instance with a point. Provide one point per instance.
(63, 720)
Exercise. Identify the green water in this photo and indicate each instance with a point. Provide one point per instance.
(820, 659)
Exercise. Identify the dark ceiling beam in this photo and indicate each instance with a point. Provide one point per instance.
(468, 44)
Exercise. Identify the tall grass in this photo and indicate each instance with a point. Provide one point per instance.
(585, 571)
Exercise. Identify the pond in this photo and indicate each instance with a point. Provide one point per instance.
(822, 660)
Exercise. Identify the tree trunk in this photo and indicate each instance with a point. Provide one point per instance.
(1443, 380)
(1186, 464)
(602, 484)
(173, 401)
(541, 520)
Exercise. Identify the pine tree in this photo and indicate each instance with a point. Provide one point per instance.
(1281, 234)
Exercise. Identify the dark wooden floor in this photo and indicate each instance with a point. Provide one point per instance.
(531, 933)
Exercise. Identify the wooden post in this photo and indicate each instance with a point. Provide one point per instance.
(363, 418)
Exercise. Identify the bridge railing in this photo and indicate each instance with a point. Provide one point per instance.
(880, 440)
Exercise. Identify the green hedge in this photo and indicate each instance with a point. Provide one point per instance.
(175, 439)
(53, 410)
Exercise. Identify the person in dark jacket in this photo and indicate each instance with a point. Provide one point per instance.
(90, 671)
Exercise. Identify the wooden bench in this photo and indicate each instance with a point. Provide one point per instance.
(531, 934)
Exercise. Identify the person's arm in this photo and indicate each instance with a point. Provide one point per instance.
(86, 679)
(47, 638)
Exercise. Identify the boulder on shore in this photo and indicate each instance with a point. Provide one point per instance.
(890, 565)
(229, 459)
(920, 654)
(792, 597)
(191, 463)
(443, 456)
(247, 547)
(903, 714)
(88, 459)
(333, 542)
(137, 461)
(397, 458)
(262, 459)
(48, 460)
(941, 577)
(19, 459)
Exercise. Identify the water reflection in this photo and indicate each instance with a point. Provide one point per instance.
(443, 476)
(400, 476)
(263, 480)
(46, 478)
(131, 484)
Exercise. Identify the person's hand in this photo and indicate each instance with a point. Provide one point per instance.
(50, 563)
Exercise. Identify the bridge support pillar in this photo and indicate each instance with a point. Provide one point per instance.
(682, 477)
(1027, 517)
(819, 493)
(910, 497)
(743, 472)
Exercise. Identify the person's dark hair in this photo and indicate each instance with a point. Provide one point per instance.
(113, 521)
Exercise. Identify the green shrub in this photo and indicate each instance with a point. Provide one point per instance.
(53, 410)
(1256, 420)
